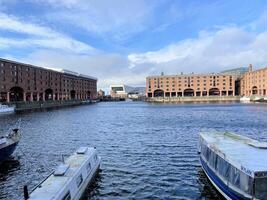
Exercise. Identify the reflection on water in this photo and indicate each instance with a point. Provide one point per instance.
(207, 190)
(7, 169)
(149, 151)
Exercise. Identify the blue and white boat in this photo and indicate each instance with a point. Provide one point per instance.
(70, 180)
(235, 165)
(4, 109)
(8, 144)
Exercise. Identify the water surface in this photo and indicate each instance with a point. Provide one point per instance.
(149, 151)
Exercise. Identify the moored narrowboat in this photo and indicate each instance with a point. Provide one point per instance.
(235, 165)
(70, 180)
(8, 144)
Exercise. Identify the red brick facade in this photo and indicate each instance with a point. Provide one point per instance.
(23, 82)
(254, 82)
(190, 85)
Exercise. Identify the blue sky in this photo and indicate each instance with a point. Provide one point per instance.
(123, 41)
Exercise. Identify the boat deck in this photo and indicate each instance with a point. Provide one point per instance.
(54, 184)
(249, 153)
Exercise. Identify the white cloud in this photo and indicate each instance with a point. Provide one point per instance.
(108, 68)
(210, 52)
(115, 20)
(38, 35)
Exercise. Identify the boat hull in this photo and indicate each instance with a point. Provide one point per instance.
(5, 152)
(89, 181)
(227, 192)
(4, 112)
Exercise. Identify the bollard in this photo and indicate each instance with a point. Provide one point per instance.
(25, 191)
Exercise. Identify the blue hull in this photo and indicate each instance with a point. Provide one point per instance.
(231, 194)
(7, 151)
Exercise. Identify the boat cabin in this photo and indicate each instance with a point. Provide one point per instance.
(235, 163)
(71, 178)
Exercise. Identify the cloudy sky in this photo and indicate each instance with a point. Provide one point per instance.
(123, 41)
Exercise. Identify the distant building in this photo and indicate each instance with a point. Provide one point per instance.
(100, 94)
(190, 85)
(237, 74)
(254, 82)
(24, 82)
(124, 91)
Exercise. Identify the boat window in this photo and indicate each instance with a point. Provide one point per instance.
(261, 188)
(67, 196)
(203, 150)
(88, 167)
(95, 157)
(207, 155)
(223, 168)
(79, 180)
(246, 183)
(234, 176)
(213, 159)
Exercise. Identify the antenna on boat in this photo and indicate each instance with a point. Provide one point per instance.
(63, 161)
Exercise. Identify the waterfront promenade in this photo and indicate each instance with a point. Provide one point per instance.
(148, 150)
(39, 105)
(193, 99)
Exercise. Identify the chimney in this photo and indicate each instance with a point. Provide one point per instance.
(250, 68)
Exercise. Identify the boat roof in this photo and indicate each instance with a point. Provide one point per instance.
(241, 151)
(62, 175)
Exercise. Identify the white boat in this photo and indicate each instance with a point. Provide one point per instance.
(245, 99)
(70, 179)
(235, 165)
(4, 109)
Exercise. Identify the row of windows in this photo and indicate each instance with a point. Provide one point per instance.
(188, 77)
(192, 81)
(17, 70)
(188, 85)
(226, 171)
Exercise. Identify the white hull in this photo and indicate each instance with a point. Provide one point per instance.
(245, 100)
(6, 110)
(3, 112)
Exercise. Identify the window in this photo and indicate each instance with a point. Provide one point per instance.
(79, 180)
(235, 176)
(67, 196)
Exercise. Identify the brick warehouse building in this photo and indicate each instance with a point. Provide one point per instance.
(24, 82)
(254, 82)
(191, 85)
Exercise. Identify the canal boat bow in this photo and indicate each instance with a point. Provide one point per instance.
(70, 179)
(8, 144)
(235, 165)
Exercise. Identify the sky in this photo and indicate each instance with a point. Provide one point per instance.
(124, 41)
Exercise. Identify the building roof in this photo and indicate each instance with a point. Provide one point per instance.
(64, 71)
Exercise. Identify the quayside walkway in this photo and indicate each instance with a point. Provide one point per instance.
(39, 105)
(193, 99)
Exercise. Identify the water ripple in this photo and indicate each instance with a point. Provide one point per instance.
(148, 150)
